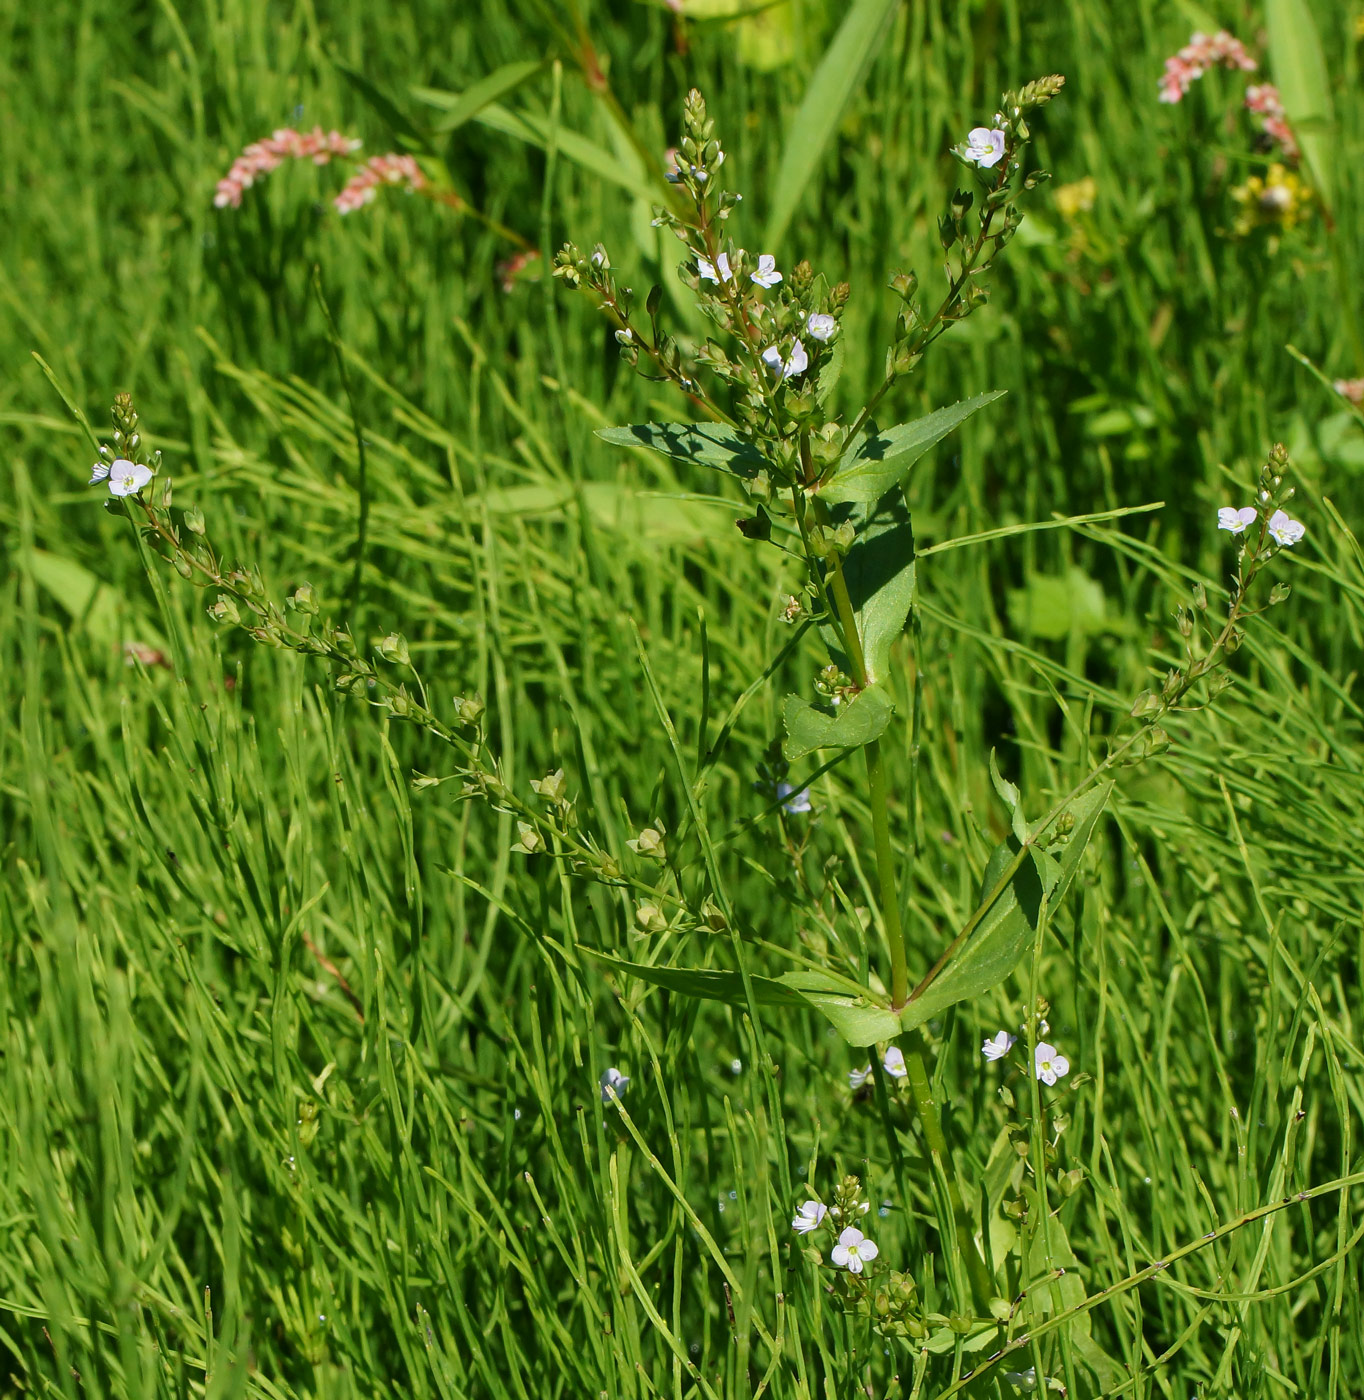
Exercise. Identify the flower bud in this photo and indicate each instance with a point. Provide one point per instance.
(468, 710)
(304, 600)
(550, 787)
(194, 520)
(905, 285)
(225, 610)
(528, 840)
(650, 918)
(394, 648)
(649, 844)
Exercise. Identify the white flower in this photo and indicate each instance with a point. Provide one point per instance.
(858, 1077)
(1049, 1063)
(984, 147)
(1229, 518)
(98, 472)
(767, 274)
(613, 1084)
(853, 1250)
(707, 268)
(1284, 529)
(793, 801)
(821, 325)
(797, 362)
(811, 1216)
(128, 478)
(894, 1063)
(1000, 1046)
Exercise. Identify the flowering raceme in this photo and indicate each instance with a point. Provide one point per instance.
(390, 169)
(1263, 99)
(1202, 52)
(261, 157)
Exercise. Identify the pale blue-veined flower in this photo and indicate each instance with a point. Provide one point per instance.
(984, 146)
(854, 1250)
(767, 274)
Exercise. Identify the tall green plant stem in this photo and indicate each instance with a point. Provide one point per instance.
(925, 1106)
(876, 784)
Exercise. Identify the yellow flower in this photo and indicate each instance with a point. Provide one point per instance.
(1076, 198)
(1277, 201)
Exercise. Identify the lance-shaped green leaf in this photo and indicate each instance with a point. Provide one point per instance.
(858, 722)
(875, 464)
(1005, 932)
(460, 107)
(1086, 812)
(879, 572)
(850, 1009)
(700, 444)
(1008, 926)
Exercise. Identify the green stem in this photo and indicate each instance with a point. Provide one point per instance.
(885, 873)
(982, 1286)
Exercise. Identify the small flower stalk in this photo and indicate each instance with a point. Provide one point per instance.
(1262, 531)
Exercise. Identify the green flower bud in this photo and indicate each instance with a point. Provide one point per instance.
(551, 787)
(649, 844)
(468, 710)
(394, 648)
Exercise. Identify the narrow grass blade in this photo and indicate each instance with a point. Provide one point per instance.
(838, 76)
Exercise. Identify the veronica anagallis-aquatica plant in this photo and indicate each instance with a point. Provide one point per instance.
(830, 493)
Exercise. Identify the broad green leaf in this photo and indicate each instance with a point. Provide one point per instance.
(877, 463)
(846, 1006)
(459, 107)
(999, 940)
(858, 722)
(91, 604)
(1050, 1249)
(1055, 607)
(830, 372)
(702, 445)
(638, 518)
(879, 572)
(1299, 68)
(838, 76)
(1008, 928)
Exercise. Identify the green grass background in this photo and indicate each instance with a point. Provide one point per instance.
(299, 1084)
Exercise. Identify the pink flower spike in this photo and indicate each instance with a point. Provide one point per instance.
(261, 157)
(1202, 52)
(390, 169)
